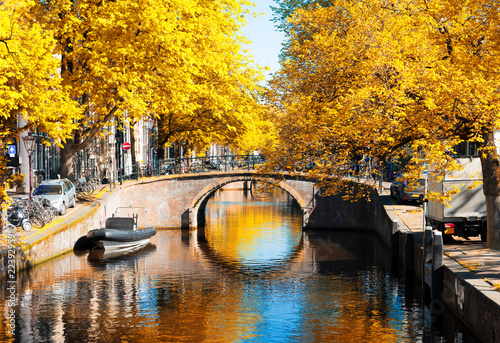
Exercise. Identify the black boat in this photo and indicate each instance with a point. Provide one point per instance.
(119, 233)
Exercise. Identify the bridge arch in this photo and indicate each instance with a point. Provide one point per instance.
(197, 207)
(177, 201)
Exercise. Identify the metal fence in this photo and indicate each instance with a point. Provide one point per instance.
(190, 165)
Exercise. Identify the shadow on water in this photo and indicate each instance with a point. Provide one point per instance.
(346, 251)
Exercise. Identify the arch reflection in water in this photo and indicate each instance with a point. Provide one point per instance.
(252, 231)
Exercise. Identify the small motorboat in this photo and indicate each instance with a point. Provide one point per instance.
(119, 233)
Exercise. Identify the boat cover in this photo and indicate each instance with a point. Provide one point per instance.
(120, 223)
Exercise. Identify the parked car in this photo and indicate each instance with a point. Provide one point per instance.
(413, 193)
(61, 193)
(396, 190)
(408, 193)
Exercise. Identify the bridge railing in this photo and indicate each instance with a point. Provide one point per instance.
(191, 165)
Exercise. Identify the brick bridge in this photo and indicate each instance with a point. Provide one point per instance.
(178, 201)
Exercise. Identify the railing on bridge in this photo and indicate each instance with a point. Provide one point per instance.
(190, 165)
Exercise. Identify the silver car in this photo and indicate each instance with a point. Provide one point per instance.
(61, 193)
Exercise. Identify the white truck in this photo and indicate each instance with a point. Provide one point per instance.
(466, 214)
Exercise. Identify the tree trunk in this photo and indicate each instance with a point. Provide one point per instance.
(66, 169)
(491, 187)
(71, 147)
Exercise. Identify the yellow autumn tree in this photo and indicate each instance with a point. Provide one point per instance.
(363, 80)
(213, 95)
(261, 134)
(31, 93)
(177, 60)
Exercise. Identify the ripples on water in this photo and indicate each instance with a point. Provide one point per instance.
(255, 278)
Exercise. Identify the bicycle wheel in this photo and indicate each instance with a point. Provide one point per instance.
(9, 228)
(50, 212)
(87, 190)
(37, 220)
(44, 214)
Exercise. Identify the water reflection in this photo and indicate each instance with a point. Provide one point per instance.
(311, 287)
(123, 255)
(253, 231)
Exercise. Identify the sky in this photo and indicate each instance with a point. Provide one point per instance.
(266, 40)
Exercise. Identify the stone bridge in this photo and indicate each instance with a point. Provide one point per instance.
(178, 201)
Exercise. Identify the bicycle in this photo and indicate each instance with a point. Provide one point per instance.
(82, 187)
(50, 210)
(196, 167)
(34, 211)
(7, 227)
(94, 183)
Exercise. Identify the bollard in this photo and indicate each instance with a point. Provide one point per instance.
(395, 239)
(408, 243)
(437, 266)
(427, 259)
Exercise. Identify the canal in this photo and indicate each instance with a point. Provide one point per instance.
(255, 277)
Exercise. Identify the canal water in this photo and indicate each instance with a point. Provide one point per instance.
(254, 277)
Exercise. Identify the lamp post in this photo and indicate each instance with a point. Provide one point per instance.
(149, 124)
(29, 144)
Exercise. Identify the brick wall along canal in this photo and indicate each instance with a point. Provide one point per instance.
(255, 278)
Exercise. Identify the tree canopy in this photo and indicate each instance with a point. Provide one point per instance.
(363, 80)
(180, 61)
(32, 94)
(215, 91)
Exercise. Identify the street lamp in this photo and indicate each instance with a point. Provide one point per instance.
(29, 144)
(149, 124)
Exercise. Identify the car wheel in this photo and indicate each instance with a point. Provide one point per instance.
(63, 210)
(73, 204)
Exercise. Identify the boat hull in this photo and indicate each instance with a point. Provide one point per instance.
(113, 239)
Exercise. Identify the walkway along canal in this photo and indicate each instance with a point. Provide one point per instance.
(464, 293)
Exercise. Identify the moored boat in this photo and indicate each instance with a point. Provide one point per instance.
(119, 233)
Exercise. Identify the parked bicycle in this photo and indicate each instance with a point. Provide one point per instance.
(35, 212)
(83, 188)
(94, 183)
(7, 227)
(87, 185)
